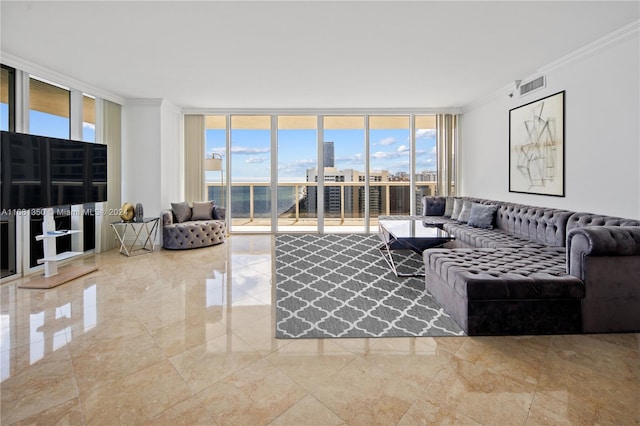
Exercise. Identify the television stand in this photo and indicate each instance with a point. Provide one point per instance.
(51, 259)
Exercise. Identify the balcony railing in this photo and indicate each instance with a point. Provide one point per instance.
(297, 204)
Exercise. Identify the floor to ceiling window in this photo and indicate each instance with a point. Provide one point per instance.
(426, 158)
(332, 173)
(251, 173)
(49, 115)
(389, 165)
(344, 173)
(8, 246)
(43, 107)
(297, 163)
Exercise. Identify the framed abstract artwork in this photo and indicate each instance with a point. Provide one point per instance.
(536, 147)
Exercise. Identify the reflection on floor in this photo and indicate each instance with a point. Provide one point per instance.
(187, 338)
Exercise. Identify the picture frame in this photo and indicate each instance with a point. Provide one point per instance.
(537, 147)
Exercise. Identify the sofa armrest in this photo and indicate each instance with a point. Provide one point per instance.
(600, 241)
(167, 217)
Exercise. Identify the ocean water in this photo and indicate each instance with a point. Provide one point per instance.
(240, 200)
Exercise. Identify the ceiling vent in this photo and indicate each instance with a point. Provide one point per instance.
(532, 85)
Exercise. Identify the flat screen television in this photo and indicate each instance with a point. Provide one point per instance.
(39, 171)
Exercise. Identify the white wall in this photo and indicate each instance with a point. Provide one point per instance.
(152, 173)
(602, 137)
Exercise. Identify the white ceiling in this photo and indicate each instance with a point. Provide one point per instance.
(302, 54)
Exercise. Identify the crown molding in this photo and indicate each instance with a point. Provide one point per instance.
(321, 111)
(590, 49)
(15, 61)
(144, 101)
(500, 93)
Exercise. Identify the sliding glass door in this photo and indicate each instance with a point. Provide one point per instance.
(326, 173)
(344, 174)
(426, 155)
(389, 165)
(297, 163)
(250, 200)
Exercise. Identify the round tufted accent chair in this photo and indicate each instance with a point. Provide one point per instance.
(193, 233)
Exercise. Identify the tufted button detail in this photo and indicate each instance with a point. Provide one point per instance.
(193, 234)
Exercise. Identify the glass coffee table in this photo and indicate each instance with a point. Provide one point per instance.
(409, 234)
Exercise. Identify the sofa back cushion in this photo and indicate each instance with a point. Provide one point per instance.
(465, 213)
(482, 215)
(433, 206)
(202, 210)
(537, 224)
(457, 208)
(181, 211)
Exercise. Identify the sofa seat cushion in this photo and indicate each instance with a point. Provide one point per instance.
(193, 234)
(499, 274)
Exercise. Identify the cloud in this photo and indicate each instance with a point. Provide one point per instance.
(255, 160)
(353, 159)
(298, 167)
(425, 133)
(403, 148)
(89, 126)
(385, 155)
(387, 141)
(249, 151)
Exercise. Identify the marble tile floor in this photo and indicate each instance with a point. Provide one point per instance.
(186, 337)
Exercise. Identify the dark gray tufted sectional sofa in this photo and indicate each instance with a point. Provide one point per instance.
(193, 233)
(538, 271)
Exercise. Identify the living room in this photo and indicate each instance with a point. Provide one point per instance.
(319, 60)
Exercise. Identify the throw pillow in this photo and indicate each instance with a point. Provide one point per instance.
(448, 207)
(457, 208)
(219, 213)
(181, 211)
(482, 215)
(202, 210)
(465, 212)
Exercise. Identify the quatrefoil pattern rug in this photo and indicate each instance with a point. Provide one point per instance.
(339, 285)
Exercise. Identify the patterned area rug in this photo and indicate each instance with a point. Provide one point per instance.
(339, 285)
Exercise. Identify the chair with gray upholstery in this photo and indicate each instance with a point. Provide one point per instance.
(185, 227)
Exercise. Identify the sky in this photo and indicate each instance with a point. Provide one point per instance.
(44, 124)
(297, 151)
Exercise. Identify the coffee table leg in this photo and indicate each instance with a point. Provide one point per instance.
(385, 251)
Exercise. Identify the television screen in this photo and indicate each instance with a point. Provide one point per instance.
(40, 172)
(23, 182)
(68, 169)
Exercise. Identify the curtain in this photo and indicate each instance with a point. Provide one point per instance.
(112, 137)
(446, 146)
(194, 138)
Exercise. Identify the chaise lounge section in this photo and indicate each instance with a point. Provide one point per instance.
(535, 270)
